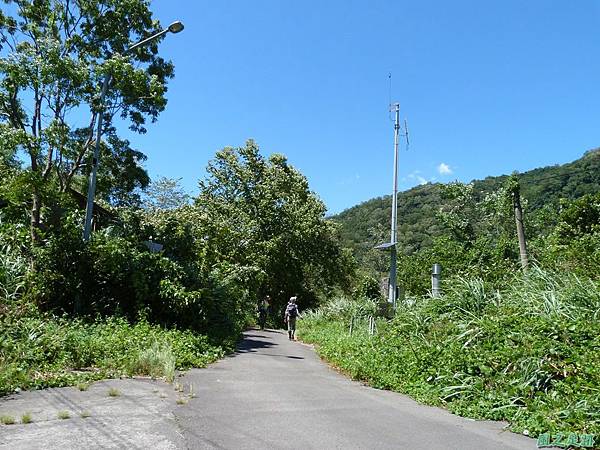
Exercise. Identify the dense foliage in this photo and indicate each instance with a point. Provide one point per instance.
(268, 220)
(54, 55)
(501, 342)
(259, 231)
(527, 354)
(163, 274)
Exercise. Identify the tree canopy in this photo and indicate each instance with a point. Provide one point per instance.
(269, 219)
(53, 57)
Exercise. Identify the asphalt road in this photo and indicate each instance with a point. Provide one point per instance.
(275, 394)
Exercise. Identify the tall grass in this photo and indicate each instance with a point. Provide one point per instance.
(528, 354)
(158, 360)
(13, 268)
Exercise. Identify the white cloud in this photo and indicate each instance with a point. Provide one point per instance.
(444, 169)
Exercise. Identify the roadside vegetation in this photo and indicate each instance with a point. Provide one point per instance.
(528, 354)
(501, 342)
(167, 281)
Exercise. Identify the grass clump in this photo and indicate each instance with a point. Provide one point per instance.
(181, 401)
(83, 386)
(527, 355)
(84, 414)
(63, 415)
(7, 420)
(157, 361)
(26, 418)
(114, 392)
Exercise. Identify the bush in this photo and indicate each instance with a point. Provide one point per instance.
(114, 275)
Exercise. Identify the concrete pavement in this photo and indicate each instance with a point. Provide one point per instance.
(139, 417)
(270, 394)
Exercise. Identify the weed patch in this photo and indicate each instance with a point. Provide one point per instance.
(156, 361)
(64, 415)
(43, 351)
(7, 420)
(26, 418)
(114, 392)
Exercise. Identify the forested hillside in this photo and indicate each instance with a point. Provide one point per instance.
(367, 224)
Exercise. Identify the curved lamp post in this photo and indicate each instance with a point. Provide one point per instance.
(174, 28)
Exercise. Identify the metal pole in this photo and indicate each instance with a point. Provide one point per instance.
(394, 227)
(89, 211)
(436, 275)
(175, 27)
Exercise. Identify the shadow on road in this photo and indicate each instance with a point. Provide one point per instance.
(253, 341)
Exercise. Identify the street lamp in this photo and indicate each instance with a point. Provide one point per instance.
(174, 28)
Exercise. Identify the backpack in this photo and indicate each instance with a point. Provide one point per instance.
(291, 311)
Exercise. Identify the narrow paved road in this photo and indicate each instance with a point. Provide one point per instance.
(277, 394)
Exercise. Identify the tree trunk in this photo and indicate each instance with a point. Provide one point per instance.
(520, 228)
(35, 217)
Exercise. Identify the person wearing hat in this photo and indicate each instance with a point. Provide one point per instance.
(291, 313)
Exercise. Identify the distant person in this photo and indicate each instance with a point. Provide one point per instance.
(291, 313)
(263, 311)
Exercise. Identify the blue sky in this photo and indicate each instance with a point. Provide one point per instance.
(487, 88)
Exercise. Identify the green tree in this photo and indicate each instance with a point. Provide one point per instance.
(268, 218)
(53, 56)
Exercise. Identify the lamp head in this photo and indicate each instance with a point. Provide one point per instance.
(176, 27)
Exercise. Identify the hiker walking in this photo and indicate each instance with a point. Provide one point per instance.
(263, 310)
(291, 313)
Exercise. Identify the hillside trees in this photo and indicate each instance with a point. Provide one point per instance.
(53, 55)
(574, 244)
(267, 218)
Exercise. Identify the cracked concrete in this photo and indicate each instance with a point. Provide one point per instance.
(141, 417)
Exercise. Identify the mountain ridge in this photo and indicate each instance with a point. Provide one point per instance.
(365, 225)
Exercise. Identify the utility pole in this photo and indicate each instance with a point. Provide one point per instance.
(392, 245)
(394, 227)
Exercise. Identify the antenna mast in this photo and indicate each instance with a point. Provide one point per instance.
(392, 245)
(394, 229)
